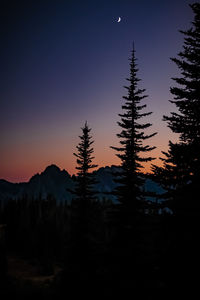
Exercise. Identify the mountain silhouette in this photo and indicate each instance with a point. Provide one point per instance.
(56, 182)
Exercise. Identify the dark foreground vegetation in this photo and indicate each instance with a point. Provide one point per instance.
(45, 251)
(52, 249)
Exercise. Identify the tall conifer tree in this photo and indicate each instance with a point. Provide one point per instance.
(180, 174)
(132, 147)
(80, 247)
(181, 171)
(84, 189)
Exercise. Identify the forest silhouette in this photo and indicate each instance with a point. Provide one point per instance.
(132, 244)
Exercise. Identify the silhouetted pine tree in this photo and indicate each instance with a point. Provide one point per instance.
(174, 174)
(132, 140)
(84, 189)
(130, 193)
(80, 250)
(180, 174)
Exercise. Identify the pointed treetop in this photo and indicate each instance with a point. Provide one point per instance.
(133, 46)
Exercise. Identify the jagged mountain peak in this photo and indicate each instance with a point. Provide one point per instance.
(52, 169)
(57, 182)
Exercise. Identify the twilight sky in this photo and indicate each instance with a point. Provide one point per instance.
(65, 62)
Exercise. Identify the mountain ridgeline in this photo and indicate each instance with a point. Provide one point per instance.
(114, 229)
(58, 183)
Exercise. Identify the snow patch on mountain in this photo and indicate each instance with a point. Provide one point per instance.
(56, 182)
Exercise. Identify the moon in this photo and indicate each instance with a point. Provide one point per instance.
(119, 20)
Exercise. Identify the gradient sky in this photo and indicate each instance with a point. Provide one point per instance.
(65, 62)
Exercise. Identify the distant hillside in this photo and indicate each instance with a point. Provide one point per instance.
(51, 181)
(58, 182)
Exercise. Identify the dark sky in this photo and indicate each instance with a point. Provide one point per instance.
(65, 62)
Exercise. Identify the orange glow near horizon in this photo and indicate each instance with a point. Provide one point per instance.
(30, 150)
(62, 67)
(27, 154)
(19, 165)
(23, 175)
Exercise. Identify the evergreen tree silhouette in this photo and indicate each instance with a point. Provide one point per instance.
(130, 193)
(180, 174)
(82, 242)
(181, 171)
(132, 147)
(84, 188)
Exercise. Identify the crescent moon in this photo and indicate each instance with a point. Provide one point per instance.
(119, 20)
